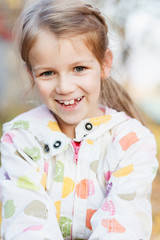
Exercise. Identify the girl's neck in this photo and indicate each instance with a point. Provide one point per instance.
(69, 129)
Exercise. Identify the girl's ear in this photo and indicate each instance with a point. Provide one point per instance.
(107, 64)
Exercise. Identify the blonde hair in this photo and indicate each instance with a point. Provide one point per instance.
(67, 18)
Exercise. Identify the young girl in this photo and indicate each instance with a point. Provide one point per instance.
(80, 166)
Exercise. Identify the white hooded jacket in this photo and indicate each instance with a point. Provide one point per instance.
(96, 186)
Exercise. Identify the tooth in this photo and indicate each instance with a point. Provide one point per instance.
(66, 102)
(72, 101)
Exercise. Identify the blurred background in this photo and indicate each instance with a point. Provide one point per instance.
(134, 35)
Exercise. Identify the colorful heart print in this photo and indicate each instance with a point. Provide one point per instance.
(21, 124)
(89, 215)
(108, 188)
(6, 176)
(85, 188)
(37, 209)
(9, 208)
(107, 175)
(33, 228)
(33, 153)
(8, 138)
(94, 166)
(90, 142)
(112, 225)
(59, 172)
(124, 171)
(97, 121)
(58, 208)
(44, 180)
(109, 206)
(127, 196)
(65, 226)
(53, 126)
(68, 186)
(25, 182)
(128, 140)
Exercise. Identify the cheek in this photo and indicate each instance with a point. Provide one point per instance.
(43, 88)
(95, 83)
(92, 82)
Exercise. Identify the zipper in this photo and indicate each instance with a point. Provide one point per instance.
(76, 146)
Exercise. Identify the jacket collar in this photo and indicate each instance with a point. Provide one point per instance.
(42, 123)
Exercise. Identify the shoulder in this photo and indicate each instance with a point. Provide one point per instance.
(126, 123)
(132, 144)
(34, 116)
(34, 129)
(131, 135)
(127, 132)
(28, 127)
(23, 128)
(133, 128)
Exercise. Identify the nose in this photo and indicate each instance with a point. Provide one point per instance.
(65, 84)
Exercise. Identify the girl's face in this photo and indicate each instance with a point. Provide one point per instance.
(68, 77)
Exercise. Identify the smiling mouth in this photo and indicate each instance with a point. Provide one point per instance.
(70, 103)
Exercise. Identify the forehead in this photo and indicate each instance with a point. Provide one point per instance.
(48, 49)
(48, 38)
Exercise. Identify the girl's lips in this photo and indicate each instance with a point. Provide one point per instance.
(69, 104)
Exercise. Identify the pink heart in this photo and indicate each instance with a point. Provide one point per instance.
(33, 228)
(8, 138)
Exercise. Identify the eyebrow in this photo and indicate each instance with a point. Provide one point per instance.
(41, 67)
(81, 62)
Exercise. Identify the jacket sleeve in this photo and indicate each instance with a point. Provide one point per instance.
(125, 213)
(27, 210)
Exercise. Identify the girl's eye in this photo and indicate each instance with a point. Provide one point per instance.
(47, 74)
(79, 69)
